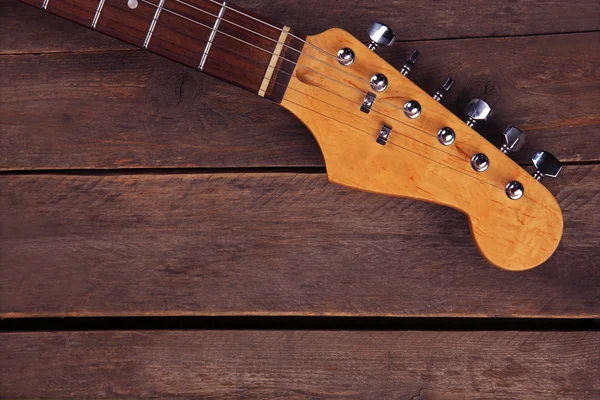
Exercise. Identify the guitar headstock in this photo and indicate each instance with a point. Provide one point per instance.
(381, 133)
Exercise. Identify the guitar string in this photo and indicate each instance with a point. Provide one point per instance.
(262, 22)
(345, 124)
(311, 69)
(284, 44)
(276, 41)
(370, 134)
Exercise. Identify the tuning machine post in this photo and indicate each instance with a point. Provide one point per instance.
(410, 63)
(442, 91)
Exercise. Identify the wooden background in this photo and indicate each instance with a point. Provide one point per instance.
(132, 186)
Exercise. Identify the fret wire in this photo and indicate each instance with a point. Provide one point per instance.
(153, 23)
(45, 4)
(295, 63)
(213, 33)
(97, 15)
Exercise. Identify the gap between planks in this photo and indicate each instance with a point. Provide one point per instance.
(203, 171)
(297, 323)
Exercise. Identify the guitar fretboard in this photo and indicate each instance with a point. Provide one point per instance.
(215, 37)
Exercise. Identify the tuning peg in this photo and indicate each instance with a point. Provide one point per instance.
(439, 95)
(477, 110)
(514, 139)
(380, 34)
(410, 63)
(546, 165)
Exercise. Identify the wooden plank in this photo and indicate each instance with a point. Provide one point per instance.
(272, 244)
(416, 365)
(420, 20)
(133, 109)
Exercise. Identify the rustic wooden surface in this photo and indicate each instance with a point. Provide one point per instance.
(226, 233)
(75, 110)
(272, 243)
(302, 365)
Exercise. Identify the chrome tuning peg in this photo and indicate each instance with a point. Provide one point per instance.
(514, 139)
(546, 165)
(477, 110)
(410, 63)
(380, 34)
(441, 92)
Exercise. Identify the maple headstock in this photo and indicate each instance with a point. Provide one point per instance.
(402, 147)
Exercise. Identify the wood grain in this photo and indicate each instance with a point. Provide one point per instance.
(412, 365)
(412, 163)
(272, 244)
(412, 21)
(239, 53)
(133, 109)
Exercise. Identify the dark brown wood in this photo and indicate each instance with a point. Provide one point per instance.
(118, 20)
(272, 244)
(427, 19)
(409, 365)
(46, 32)
(133, 109)
(240, 50)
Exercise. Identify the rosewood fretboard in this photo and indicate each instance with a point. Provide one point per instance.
(215, 37)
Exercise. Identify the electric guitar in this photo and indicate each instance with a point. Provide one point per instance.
(378, 131)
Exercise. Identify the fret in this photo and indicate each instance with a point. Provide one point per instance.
(97, 14)
(215, 37)
(153, 23)
(211, 38)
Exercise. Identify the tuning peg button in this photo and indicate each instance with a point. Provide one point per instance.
(477, 110)
(441, 92)
(546, 165)
(380, 34)
(514, 139)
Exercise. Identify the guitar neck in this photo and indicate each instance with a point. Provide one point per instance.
(214, 37)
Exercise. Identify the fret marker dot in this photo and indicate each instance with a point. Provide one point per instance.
(132, 4)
